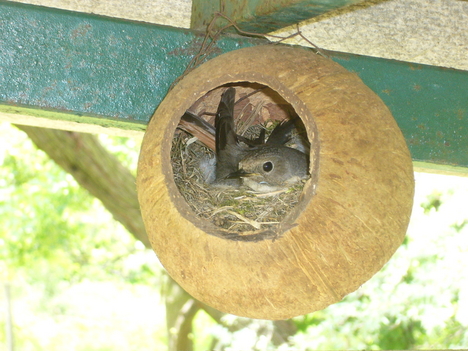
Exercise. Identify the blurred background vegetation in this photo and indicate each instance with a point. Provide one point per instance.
(76, 276)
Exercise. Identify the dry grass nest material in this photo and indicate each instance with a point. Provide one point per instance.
(231, 210)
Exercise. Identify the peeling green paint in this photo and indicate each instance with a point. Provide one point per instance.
(91, 65)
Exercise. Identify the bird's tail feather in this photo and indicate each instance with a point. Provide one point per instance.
(224, 121)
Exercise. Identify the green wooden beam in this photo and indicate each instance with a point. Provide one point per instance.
(429, 103)
(86, 65)
(90, 69)
(262, 16)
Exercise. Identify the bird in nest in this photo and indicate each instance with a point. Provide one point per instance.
(262, 165)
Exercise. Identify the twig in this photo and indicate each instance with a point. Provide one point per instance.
(253, 223)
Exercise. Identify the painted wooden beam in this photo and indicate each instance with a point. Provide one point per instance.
(74, 66)
(66, 66)
(429, 103)
(262, 16)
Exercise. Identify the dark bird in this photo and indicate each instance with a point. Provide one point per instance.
(228, 149)
(262, 166)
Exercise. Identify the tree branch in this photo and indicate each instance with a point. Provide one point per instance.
(96, 170)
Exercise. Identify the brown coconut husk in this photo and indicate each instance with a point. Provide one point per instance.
(352, 214)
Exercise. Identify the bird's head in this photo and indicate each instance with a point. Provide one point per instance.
(272, 168)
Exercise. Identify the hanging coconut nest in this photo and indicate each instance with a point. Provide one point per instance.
(276, 256)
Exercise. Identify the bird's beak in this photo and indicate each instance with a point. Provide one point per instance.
(240, 174)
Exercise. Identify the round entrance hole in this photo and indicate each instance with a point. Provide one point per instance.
(240, 213)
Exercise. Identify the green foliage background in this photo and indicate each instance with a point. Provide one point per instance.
(55, 240)
(79, 281)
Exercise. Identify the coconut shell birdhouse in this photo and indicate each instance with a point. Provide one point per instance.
(338, 227)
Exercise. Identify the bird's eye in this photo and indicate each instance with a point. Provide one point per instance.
(267, 166)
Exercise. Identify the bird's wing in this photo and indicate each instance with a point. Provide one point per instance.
(199, 128)
(282, 132)
(224, 121)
